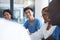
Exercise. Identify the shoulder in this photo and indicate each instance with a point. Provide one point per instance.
(57, 28)
(27, 21)
(37, 20)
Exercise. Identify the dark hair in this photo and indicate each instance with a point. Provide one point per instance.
(9, 11)
(54, 12)
(44, 8)
(27, 9)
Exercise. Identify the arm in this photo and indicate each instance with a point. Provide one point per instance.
(50, 38)
(38, 35)
(39, 24)
(49, 32)
(26, 24)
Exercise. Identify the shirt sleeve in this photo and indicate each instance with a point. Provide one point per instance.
(38, 24)
(56, 33)
(26, 24)
(38, 35)
(49, 32)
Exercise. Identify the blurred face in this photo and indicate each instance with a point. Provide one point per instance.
(7, 16)
(28, 13)
(55, 19)
(45, 15)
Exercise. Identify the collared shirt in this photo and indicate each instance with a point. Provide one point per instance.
(43, 33)
(34, 27)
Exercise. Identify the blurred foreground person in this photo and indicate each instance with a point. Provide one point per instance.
(12, 31)
(54, 12)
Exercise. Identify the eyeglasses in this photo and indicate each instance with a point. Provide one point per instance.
(44, 15)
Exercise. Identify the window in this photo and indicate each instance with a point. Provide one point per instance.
(4, 4)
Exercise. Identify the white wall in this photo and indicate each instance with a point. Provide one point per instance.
(5, 1)
(39, 4)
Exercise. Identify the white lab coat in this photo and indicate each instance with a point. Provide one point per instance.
(43, 33)
(12, 31)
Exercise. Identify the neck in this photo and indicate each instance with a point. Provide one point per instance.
(49, 26)
(31, 19)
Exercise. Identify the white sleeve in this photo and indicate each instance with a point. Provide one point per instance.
(37, 35)
(49, 32)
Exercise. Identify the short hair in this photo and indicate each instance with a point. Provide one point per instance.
(54, 12)
(9, 11)
(27, 9)
(44, 8)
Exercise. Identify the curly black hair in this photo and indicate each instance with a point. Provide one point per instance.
(9, 11)
(27, 9)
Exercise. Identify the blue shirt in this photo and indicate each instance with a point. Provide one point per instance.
(34, 27)
(56, 33)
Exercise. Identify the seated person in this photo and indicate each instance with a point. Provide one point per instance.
(46, 30)
(54, 12)
(32, 24)
(8, 15)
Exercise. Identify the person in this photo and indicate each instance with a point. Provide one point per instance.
(32, 24)
(12, 31)
(8, 14)
(46, 30)
(54, 12)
